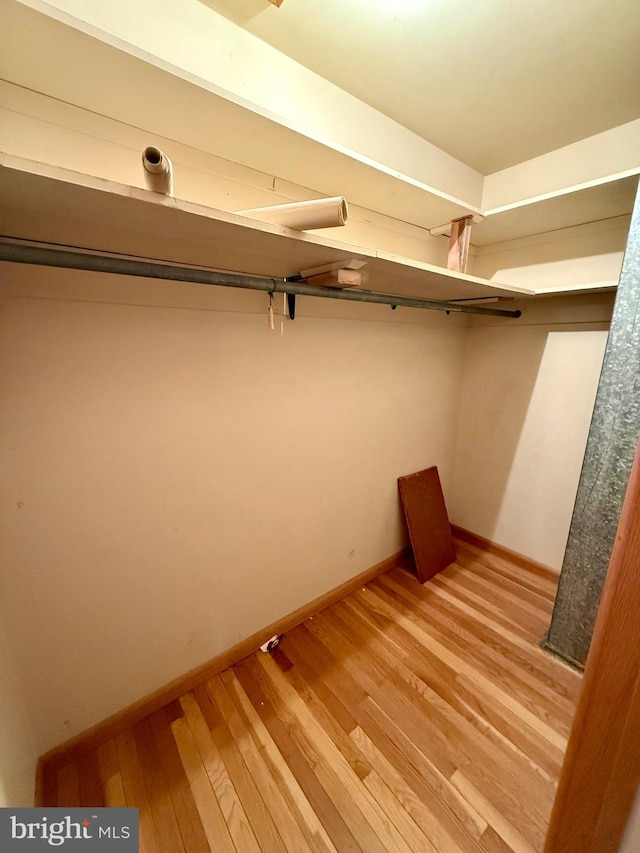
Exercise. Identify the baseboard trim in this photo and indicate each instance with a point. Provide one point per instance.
(496, 550)
(122, 720)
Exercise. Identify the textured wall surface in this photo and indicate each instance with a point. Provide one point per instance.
(611, 446)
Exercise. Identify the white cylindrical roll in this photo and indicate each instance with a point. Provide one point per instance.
(304, 215)
(158, 170)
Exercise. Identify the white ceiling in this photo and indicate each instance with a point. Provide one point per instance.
(493, 83)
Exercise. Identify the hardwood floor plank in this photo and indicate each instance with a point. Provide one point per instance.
(406, 717)
(461, 593)
(406, 796)
(450, 822)
(524, 599)
(327, 722)
(543, 754)
(307, 647)
(135, 790)
(384, 796)
(531, 587)
(189, 823)
(553, 673)
(68, 790)
(469, 732)
(239, 827)
(482, 760)
(287, 827)
(330, 684)
(111, 775)
(312, 828)
(534, 620)
(398, 705)
(520, 675)
(442, 699)
(337, 775)
(523, 665)
(466, 698)
(513, 559)
(458, 662)
(404, 702)
(250, 796)
(493, 843)
(166, 829)
(50, 786)
(407, 828)
(545, 586)
(90, 784)
(205, 800)
(494, 817)
(392, 642)
(300, 763)
(422, 735)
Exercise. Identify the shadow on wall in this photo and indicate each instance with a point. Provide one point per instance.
(526, 403)
(495, 395)
(586, 255)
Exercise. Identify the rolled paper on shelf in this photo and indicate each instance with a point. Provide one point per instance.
(158, 170)
(304, 215)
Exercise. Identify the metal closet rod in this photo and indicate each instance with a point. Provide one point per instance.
(21, 253)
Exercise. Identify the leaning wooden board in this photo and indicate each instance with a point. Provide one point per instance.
(428, 522)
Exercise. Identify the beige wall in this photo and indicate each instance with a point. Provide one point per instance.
(179, 477)
(526, 400)
(18, 751)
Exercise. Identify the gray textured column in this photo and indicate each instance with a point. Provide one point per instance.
(611, 445)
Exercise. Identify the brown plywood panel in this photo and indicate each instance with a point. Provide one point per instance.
(428, 522)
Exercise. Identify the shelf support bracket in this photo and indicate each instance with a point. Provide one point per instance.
(291, 305)
(459, 243)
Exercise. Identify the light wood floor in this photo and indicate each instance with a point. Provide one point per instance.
(404, 718)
